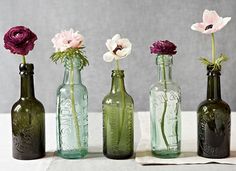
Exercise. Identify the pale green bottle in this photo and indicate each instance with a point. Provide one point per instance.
(165, 109)
(72, 113)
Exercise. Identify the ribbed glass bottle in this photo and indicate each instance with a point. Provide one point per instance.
(28, 120)
(118, 109)
(165, 109)
(214, 120)
(72, 113)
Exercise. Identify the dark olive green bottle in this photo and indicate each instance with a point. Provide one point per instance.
(118, 109)
(28, 120)
(214, 120)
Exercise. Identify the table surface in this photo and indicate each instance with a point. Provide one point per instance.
(95, 159)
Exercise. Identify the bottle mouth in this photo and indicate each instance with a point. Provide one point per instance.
(164, 60)
(117, 73)
(26, 69)
(76, 63)
(211, 70)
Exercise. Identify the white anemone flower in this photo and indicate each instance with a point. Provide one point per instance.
(118, 48)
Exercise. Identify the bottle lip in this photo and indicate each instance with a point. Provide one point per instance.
(168, 60)
(212, 71)
(26, 69)
(76, 63)
(117, 73)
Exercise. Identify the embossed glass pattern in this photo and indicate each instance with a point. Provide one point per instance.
(72, 113)
(118, 109)
(28, 120)
(214, 121)
(165, 118)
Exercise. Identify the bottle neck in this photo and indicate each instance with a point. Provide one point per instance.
(72, 72)
(117, 81)
(164, 73)
(27, 80)
(164, 68)
(213, 86)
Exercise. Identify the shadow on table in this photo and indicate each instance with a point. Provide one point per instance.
(50, 154)
(184, 154)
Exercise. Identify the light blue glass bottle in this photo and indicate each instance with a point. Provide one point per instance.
(165, 98)
(72, 113)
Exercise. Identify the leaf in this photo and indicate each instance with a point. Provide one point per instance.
(219, 60)
(71, 53)
(205, 61)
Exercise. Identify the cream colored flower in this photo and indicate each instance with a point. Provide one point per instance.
(118, 48)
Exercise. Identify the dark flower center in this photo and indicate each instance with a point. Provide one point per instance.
(118, 47)
(68, 41)
(209, 27)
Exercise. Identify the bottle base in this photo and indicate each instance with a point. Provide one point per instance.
(166, 154)
(28, 157)
(72, 154)
(118, 157)
(213, 156)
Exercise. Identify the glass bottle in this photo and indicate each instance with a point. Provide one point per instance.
(214, 120)
(118, 109)
(28, 120)
(72, 113)
(165, 112)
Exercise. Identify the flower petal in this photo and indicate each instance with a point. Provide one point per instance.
(198, 27)
(222, 23)
(108, 57)
(125, 43)
(210, 17)
(116, 37)
(111, 45)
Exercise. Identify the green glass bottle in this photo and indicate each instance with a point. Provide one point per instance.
(214, 120)
(28, 120)
(118, 109)
(72, 113)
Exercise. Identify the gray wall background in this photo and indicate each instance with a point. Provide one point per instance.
(142, 22)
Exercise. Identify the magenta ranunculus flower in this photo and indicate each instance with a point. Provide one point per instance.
(19, 40)
(163, 47)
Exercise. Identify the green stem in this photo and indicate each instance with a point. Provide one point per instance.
(23, 59)
(72, 95)
(122, 103)
(213, 48)
(165, 104)
(117, 65)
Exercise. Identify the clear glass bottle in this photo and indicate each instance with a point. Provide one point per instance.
(118, 109)
(28, 120)
(214, 120)
(165, 110)
(72, 113)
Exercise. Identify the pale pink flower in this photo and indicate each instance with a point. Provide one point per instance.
(212, 22)
(67, 39)
(118, 48)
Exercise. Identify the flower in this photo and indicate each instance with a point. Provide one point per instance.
(118, 48)
(163, 47)
(19, 40)
(212, 22)
(67, 39)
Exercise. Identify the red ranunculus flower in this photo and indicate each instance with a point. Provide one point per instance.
(19, 40)
(163, 47)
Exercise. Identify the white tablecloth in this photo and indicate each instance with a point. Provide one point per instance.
(188, 144)
(95, 161)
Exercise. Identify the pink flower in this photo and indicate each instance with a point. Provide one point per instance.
(67, 39)
(212, 22)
